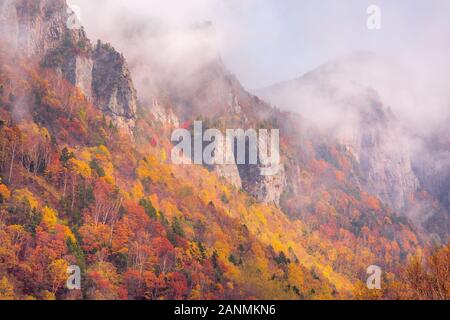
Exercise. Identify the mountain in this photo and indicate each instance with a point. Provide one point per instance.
(40, 30)
(432, 166)
(85, 180)
(352, 100)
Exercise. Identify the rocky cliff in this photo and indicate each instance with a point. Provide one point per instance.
(384, 155)
(431, 162)
(112, 85)
(345, 106)
(208, 91)
(46, 31)
(220, 98)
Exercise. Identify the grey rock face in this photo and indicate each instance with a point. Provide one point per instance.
(80, 74)
(76, 68)
(266, 189)
(337, 99)
(219, 98)
(112, 85)
(385, 158)
(164, 115)
(39, 30)
(431, 162)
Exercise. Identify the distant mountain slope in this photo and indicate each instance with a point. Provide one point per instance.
(353, 100)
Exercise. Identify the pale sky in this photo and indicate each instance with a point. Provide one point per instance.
(266, 41)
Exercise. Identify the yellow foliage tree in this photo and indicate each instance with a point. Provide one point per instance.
(48, 296)
(102, 153)
(49, 218)
(81, 167)
(138, 191)
(6, 289)
(58, 274)
(25, 196)
(5, 194)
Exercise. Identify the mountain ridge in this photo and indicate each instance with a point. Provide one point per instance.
(344, 93)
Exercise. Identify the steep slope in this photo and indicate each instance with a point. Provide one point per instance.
(83, 193)
(211, 93)
(140, 227)
(341, 99)
(42, 31)
(369, 154)
(432, 166)
(112, 85)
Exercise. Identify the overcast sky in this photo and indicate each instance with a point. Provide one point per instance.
(266, 41)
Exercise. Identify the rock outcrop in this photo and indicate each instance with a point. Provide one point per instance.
(207, 91)
(44, 30)
(431, 162)
(384, 156)
(164, 114)
(266, 189)
(338, 99)
(220, 98)
(112, 85)
(73, 60)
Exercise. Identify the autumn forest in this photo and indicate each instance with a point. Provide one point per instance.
(86, 179)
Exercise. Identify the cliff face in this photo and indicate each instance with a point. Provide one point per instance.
(112, 85)
(209, 92)
(347, 109)
(219, 97)
(431, 163)
(72, 58)
(384, 156)
(44, 30)
(266, 189)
